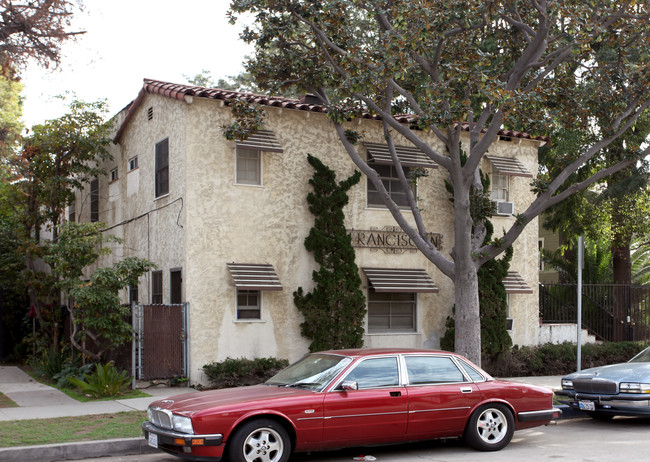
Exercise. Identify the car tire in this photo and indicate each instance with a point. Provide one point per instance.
(260, 440)
(599, 416)
(490, 427)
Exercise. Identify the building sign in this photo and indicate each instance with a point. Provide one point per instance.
(390, 239)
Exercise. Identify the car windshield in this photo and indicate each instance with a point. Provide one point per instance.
(643, 357)
(313, 372)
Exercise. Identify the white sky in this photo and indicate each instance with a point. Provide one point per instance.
(129, 40)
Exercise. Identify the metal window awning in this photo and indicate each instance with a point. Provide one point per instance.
(515, 284)
(408, 156)
(249, 276)
(400, 280)
(263, 140)
(508, 166)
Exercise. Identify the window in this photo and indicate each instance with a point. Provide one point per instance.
(72, 214)
(94, 200)
(249, 167)
(133, 294)
(471, 371)
(133, 163)
(499, 185)
(248, 304)
(156, 287)
(540, 247)
(162, 168)
(374, 373)
(391, 311)
(389, 178)
(432, 369)
(175, 286)
(114, 176)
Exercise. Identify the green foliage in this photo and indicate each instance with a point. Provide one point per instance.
(11, 111)
(95, 309)
(559, 359)
(69, 370)
(249, 119)
(49, 363)
(335, 309)
(58, 157)
(242, 371)
(106, 381)
(98, 311)
(597, 267)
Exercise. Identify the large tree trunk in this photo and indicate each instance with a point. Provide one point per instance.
(467, 341)
(622, 269)
(468, 323)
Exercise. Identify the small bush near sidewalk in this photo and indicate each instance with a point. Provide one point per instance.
(239, 372)
(559, 359)
(105, 381)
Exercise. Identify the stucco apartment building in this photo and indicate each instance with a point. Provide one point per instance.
(225, 222)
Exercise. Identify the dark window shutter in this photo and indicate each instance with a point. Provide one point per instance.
(94, 200)
(162, 167)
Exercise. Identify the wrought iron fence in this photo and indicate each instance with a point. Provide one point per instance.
(613, 312)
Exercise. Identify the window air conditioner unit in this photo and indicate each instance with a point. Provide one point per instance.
(505, 208)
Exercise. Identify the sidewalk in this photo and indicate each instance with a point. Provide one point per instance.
(38, 401)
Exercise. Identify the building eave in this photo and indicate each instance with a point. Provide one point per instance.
(181, 91)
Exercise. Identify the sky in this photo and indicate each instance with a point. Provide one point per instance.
(129, 40)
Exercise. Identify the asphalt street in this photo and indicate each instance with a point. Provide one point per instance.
(575, 440)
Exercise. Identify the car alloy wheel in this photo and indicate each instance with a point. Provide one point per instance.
(490, 427)
(260, 441)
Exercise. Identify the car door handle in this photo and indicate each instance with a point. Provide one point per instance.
(396, 393)
(466, 389)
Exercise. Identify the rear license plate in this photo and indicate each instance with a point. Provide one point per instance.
(153, 440)
(587, 405)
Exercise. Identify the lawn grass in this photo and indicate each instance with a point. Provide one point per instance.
(5, 401)
(68, 429)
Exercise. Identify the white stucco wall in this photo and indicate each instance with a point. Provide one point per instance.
(207, 221)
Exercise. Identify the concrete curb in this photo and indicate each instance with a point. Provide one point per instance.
(76, 451)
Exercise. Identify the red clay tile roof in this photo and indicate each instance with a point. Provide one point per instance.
(180, 91)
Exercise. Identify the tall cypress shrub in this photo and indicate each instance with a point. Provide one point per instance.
(335, 309)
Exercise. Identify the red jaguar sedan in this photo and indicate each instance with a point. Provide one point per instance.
(342, 398)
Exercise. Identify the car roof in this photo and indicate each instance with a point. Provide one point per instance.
(358, 352)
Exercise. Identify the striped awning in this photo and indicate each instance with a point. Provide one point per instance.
(249, 276)
(408, 156)
(263, 140)
(515, 284)
(508, 166)
(400, 280)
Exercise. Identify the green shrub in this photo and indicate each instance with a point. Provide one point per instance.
(71, 369)
(106, 381)
(558, 359)
(239, 372)
(49, 363)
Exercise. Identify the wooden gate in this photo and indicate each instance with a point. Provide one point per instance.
(161, 341)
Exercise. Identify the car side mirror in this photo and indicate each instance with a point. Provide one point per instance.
(349, 385)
